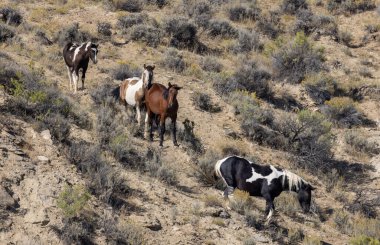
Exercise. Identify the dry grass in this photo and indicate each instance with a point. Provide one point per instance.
(212, 201)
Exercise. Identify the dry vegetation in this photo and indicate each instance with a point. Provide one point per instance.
(293, 83)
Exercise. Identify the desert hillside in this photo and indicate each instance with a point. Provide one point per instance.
(291, 83)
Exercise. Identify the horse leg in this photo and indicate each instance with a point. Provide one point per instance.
(162, 129)
(70, 77)
(138, 114)
(269, 209)
(75, 80)
(83, 76)
(174, 131)
(147, 123)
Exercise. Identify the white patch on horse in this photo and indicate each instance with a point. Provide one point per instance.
(274, 175)
(76, 52)
(131, 91)
(88, 45)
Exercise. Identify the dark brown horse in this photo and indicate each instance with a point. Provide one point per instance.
(161, 102)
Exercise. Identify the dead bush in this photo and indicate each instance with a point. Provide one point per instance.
(124, 71)
(10, 16)
(105, 29)
(127, 21)
(201, 12)
(204, 170)
(270, 24)
(5, 33)
(211, 64)
(360, 142)
(350, 7)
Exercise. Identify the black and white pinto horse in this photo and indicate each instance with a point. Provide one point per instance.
(77, 57)
(265, 181)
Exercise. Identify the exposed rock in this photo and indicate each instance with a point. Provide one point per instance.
(154, 225)
(46, 136)
(221, 213)
(43, 159)
(6, 200)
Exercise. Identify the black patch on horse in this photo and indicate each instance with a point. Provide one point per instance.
(166, 94)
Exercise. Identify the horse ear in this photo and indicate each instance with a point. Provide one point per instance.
(169, 85)
(144, 66)
(178, 88)
(153, 66)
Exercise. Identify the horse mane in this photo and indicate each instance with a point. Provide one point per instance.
(165, 94)
(294, 181)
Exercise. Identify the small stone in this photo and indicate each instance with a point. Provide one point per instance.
(43, 159)
(225, 215)
(46, 135)
(175, 228)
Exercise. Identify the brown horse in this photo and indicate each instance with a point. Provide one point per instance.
(162, 102)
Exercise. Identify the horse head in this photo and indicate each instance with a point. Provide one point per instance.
(173, 91)
(147, 75)
(304, 196)
(94, 52)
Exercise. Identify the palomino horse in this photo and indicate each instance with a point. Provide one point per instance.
(162, 102)
(132, 90)
(77, 57)
(264, 181)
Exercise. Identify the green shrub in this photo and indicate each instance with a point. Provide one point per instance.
(240, 13)
(72, 34)
(73, 200)
(128, 5)
(293, 61)
(364, 240)
(292, 6)
(247, 41)
(174, 60)
(350, 6)
(343, 112)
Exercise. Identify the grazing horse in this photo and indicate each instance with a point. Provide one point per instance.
(77, 57)
(162, 102)
(265, 181)
(132, 90)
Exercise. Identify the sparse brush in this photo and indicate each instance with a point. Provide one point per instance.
(203, 102)
(295, 60)
(126, 21)
(174, 60)
(360, 142)
(247, 41)
(72, 34)
(343, 112)
(75, 231)
(204, 170)
(124, 71)
(270, 24)
(212, 201)
(292, 6)
(252, 218)
(201, 12)
(350, 7)
(211, 64)
(239, 13)
(240, 202)
(295, 235)
(218, 222)
(128, 5)
(321, 87)
(221, 28)
(5, 33)
(104, 28)
(364, 240)
(147, 34)
(287, 202)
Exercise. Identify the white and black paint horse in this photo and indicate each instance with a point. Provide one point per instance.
(265, 181)
(77, 57)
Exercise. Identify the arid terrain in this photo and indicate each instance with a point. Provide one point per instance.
(291, 83)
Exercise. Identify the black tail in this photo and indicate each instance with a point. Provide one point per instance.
(116, 93)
